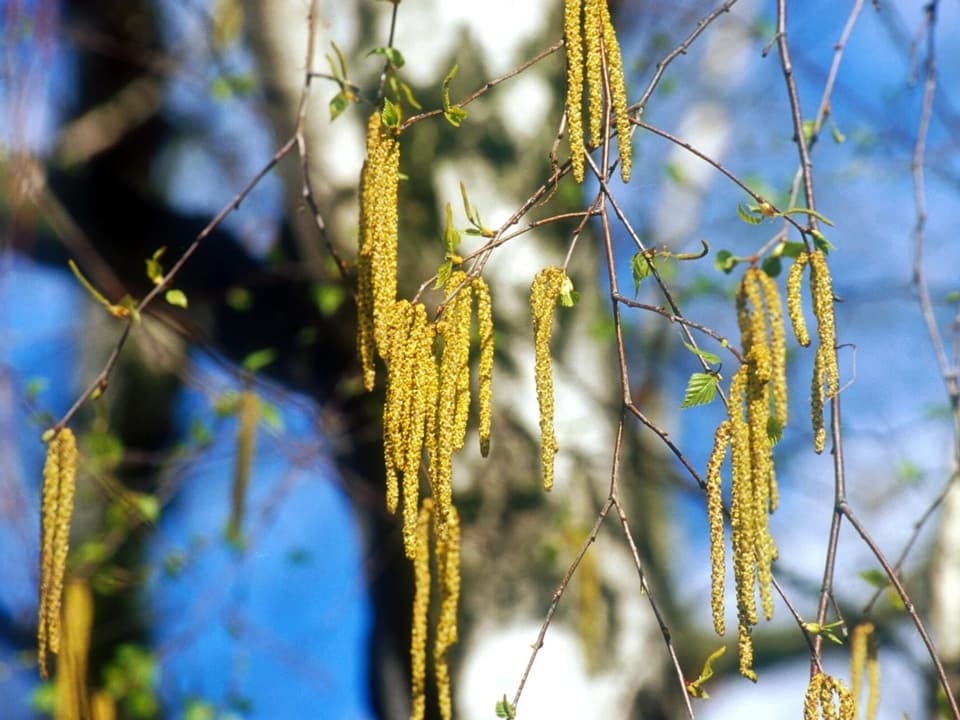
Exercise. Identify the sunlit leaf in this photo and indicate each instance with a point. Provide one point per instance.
(443, 274)
(392, 55)
(338, 103)
(176, 297)
(747, 216)
(701, 389)
(390, 114)
(259, 359)
(640, 267)
(707, 356)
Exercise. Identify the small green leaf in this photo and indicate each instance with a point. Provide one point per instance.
(445, 86)
(747, 216)
(455, 115)
(147, 505)
(390, 114)
(443, 274)
(505, 709)
(342, 74)
(774, 429)
(154, 268)
(821, 242)
(707, 356)
(695, 687)
(176, 297)
(259, 359)
(408, 95)
(952, 296)
(806, 211)
(725, 261)
(392, 55)
(568, 296)
(239, 299)
(701, 389)
(328, 297)
(338, 103)
(877, 578)
(772, 266)
(809, 126)
(838, 137)
(451, 238)
(792, 249)
(640, 267)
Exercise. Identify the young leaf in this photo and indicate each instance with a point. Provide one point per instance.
(701, 389)
(747, 216)
(259, 359)
(341, 59)
(408, 95)
(154, 268)
(390, 114)
(792, 249)
(707, 356)
(821, 242)
(640, 267)
(176, 297)
(774, 429)
(443, 274)
(568, 296)
(772, 266)
(505, 709)
(453, 113)
(392, 55)
(695, 687)
(725, 260)
(838, 137)
(451, 238)
(338, 103)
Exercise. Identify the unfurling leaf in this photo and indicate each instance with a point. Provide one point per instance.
(390, 114)
(640, 267)
(746, 214)
(451, 238)
(701, 389)
(176, 297)
(707, 356)
(338, 103)
(392, 55)
(443, 274)
(695, 687)
(725, 261)
(568, 296)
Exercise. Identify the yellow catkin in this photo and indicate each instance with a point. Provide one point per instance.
(816, 405)
(742, 529)
(71, 682)
(811, 699)
(485, 366)
(453, 393)
(396, 406)
(423, 382)
(544, 292)
(421, 606)
(778, 346)
(59, 487)
(103, 706)
(377, 263)
(836, 703)
(448, 578)
(821, 289)
(721, 440)
(573, 41)
(745, 649)
(592, 32)
(795, 299)
(873, 679)
(859, 638)
(753, 325)
(618, 91)
(248, 416)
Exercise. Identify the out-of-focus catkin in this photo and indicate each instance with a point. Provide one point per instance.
(248, 417)
(863, 657)
(73, 700)
(421, 606)
(544, 293)
(59, 487)
(448, 579)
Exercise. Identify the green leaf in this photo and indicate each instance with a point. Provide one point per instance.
(806, 211)
(707, 356)
(838, 137)
(809, 126)
(390, 114)
(774, 429)
(259, 359)
(772, 266)
(792, 249)
(568, 296)
(747, 216)
(875, 577)
(455, 115)
(408, 95)
(154, 268)
(952, 296)
(695, 687)
(239, 299)
(328, 297)
(445, 86)
(443, 274)
(392, 55)
(725, 260)
(451, 238)
(640, 267)
(821, 242)
(338, 103)
(176, 297)
(701, 389)
(505, 709)
(342, 73)
(147, 505)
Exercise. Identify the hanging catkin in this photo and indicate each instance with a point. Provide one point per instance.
(544, 293)
(59, 486)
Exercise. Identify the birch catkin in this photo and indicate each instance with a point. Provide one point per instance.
(485, 371)
(421, 606)
(59, 486)
(544, 292)
(573, 40)
(73, 699)
(448, 578)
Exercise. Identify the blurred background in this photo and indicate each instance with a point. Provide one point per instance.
(126, 126)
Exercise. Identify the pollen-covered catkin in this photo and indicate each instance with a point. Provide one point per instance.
(421, 606)
(721, 440)
(73, 700)
(377, 262)
(816, 405)
(811, 699)
(485, 366)
(592, 32)
(573, 40)
(778, 346)
(248, 417)
(863, 656)
(448, 578)
(59, 487)
(795, 301)
(745, 650)
(544, 292)
(821, 289)
(454, 392)
(618, 92)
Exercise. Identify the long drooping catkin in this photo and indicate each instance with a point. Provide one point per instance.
(795, 301)
(73, 701)
(485, 366)
(448, 578)
(421, 606)
(590, 37)
(827, 698)
(59, 487)
(377, 261)
(544, 293)
(248, 416)
(721, 440)
(863, 656)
